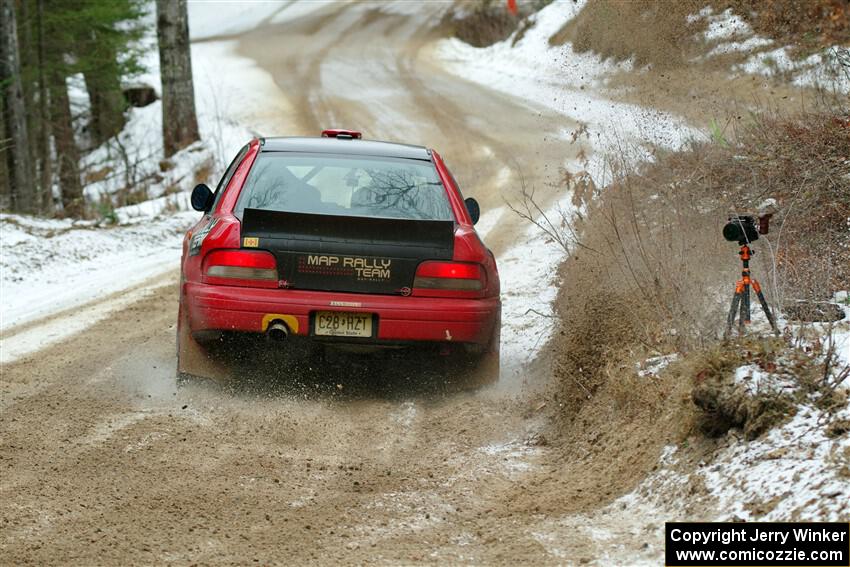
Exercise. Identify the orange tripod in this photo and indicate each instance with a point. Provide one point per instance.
(741, 300)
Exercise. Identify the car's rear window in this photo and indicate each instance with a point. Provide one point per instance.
(345, 185)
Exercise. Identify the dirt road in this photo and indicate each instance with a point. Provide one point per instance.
(105, 461)
(358, 67)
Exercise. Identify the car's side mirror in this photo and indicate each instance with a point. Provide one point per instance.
(202, 198)
(474, 209)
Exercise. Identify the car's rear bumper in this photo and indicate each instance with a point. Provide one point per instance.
(398, 319)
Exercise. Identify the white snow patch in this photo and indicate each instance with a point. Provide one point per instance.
(513, 456)
(740, 46)
(726, 25)
(758, 381)
(405, 415)
(652, 366)
(840, 331)
(487, 222)
(830, 68)
(796, 464)
(528, 271)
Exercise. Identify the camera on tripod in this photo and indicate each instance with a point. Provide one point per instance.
(743, 228)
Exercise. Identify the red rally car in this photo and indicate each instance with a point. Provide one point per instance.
(344, 243)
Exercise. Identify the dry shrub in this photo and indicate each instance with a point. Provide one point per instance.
(599, 332)
(727, 404)
(804, 163)
(133, 196)
(790, 377)
(653, 274)
(484, 22)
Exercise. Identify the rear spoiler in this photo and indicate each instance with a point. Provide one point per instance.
(372, 236)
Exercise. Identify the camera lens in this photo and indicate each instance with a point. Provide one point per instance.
(732, 231)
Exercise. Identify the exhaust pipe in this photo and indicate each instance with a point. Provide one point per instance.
(277, 331)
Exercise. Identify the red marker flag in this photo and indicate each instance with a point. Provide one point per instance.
(512, 7)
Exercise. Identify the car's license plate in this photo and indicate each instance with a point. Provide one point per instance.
(343, 324)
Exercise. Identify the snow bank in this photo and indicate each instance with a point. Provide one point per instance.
(563, 80)
(51, 265)
(527, 272)
(791, 472)
(209, 19)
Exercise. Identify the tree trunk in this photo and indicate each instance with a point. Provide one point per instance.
(67, 153)
(179, 123)
(107, 101)
(30, 35)
(44, 133)
(5, 190)
(18, 158)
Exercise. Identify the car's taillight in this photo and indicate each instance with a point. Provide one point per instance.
(250, 267)
(449, 279)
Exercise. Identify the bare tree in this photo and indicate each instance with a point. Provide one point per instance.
(18, 158)
(179, 122)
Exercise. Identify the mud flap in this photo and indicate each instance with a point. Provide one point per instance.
(485, 368)
(490, 365)
(194, 361)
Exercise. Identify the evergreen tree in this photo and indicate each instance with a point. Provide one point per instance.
(61, 38)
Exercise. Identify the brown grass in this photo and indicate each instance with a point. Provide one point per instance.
(648, 30)
(654, 274)
(726, 404)
(658, 33)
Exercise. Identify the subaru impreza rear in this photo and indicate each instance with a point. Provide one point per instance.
(341, 243)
